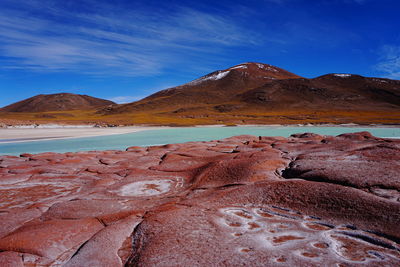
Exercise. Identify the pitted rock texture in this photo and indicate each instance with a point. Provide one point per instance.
(307, 200)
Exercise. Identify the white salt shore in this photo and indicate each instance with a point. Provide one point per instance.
(12, 135)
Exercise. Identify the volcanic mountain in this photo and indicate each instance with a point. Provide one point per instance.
(212, 89)
(254, 88)
(57, 102)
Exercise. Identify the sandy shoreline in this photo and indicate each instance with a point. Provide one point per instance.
(17, 135)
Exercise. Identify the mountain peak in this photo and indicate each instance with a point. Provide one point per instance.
(258, 65)
(57, 102)
(262, 70)
(342, 75)
(249, 70)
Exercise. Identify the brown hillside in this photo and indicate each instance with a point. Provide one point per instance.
(57, 102)
(249, 93)
(260, 93)
(332, 91)
(214, 88)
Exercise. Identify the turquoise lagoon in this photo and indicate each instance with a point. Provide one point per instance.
(178, 135)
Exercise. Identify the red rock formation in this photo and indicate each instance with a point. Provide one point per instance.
(306, 200)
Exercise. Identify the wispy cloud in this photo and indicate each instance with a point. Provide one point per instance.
(48, 36)
(389, 61)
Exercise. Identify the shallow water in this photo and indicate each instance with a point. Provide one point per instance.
(178, 135)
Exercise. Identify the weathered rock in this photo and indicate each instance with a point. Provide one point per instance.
(105, 210)
(106, 248)
(12, 219)
(11, 259)
(50, 239)
(254, 235)
(245, 200)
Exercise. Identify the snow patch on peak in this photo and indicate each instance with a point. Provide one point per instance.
(380, 80)
(242, 66)
(266, 67)
(217, 76)
(342, 75)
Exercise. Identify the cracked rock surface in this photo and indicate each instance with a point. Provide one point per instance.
(306, 200)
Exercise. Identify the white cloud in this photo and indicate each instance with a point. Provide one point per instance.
(103, 42)
(390, 61)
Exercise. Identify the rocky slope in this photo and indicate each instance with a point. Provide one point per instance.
(334, 91)
(57, 102)
(245, 200)
(255, 88)
(215, 88)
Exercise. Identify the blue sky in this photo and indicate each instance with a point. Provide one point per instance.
(125, 50)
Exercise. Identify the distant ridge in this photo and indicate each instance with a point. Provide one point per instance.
(248, 93)
(214, 88)
(57, 102)
(256, 87)
(331, 91)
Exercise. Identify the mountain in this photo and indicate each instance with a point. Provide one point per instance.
(215, 88)
(57, 102)
(248, 93)
(261, 93)
(332, 91)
